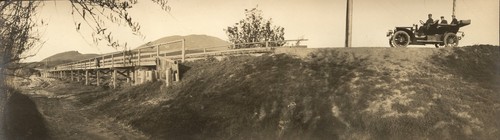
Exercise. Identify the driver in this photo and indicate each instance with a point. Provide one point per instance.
(429, 21)
(427, 24)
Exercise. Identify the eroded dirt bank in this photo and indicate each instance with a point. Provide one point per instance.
(39, 113)
(20, 118)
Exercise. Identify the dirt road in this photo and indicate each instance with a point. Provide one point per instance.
(66, 120)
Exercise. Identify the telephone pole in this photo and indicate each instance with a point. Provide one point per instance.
(454, 5)
(348, 25)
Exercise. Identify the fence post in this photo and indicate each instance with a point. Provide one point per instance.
(112, 60)
(157, 51)
(139, 57)
(123, 59)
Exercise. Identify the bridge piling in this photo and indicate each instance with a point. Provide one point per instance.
(133, 76)
(114, 78)
(97, 77)
(128, 76)
(78, 76)
(168, 75)
(86, 77)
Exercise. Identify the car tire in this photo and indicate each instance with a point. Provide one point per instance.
(390, 42)
(400, 39)
(450, 40)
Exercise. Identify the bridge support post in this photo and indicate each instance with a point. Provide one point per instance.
(177, 77)
(86, 77)
(97, 77)
(114, 78)
(183, 50)
(71, 76)
(133, 76)
(168, 75)
(78, 76)
(128, 76)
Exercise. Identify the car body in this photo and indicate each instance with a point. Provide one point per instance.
(438, 34)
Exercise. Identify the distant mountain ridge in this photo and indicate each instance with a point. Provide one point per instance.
(69, 56)
(192, 42)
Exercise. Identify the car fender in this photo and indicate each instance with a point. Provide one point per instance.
(412, 35)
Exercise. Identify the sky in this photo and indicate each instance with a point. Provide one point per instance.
(320, 21)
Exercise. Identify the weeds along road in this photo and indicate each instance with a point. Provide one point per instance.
(65, 119)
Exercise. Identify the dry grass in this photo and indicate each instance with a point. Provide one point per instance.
(361, 93)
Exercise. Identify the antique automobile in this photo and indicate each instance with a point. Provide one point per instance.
(438, 34)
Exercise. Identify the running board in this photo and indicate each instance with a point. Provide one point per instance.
(425, 41)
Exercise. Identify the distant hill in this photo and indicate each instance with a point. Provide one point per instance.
(69, 56)
(192, 42)
(65, 57)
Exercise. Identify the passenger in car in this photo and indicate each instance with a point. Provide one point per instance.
(443, 21)
(454, 20)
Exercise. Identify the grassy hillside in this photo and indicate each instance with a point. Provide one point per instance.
(345, 93)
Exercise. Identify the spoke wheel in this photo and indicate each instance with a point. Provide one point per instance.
(450, 40)
(400, 39)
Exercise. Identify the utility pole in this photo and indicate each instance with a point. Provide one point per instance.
(348, 25)
(454, 5)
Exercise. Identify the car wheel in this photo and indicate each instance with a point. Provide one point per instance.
(390, 42)
(450, 40)
(400, 39)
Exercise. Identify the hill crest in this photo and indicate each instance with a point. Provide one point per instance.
(193, 41)
(69, 56)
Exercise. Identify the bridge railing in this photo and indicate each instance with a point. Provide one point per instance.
(147, 56)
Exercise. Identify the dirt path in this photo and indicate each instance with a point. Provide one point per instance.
(64, 120)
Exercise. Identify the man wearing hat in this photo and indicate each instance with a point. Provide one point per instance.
(454, 20)
(443, 21)
(429, 21)
(426, 25)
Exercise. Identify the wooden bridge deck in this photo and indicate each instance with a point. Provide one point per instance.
(145, 64)
(138, 58)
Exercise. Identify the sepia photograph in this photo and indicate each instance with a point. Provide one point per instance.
(249, 69)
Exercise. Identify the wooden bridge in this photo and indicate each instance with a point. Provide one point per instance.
(151, 63)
